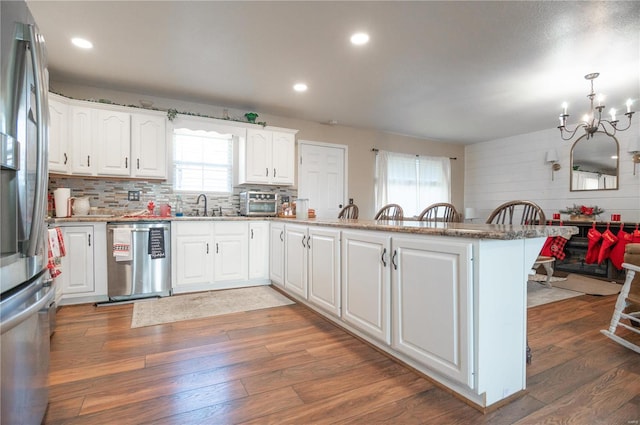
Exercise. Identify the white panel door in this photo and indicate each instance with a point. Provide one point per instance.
(366, 288)
(432, 304)
(321, 177)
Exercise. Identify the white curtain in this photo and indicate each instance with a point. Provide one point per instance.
(411, 181)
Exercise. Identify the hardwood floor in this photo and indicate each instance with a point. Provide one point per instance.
(289, 365)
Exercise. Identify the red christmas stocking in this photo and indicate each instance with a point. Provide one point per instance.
(593, 246)
(608, 241)
(617, 252)
(546, 248)
(557, 247)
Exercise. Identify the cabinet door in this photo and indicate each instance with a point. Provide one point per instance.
(295, 269)
(283, 155)
(78, 261)
(148, 146)
(112, 142)
(81, 138)
(193, 253)
(324, 269)
(276, 254)
(58, 136)
(231, 251)
(366, 283)
(258, 156)
(432, 305)
(258, 250)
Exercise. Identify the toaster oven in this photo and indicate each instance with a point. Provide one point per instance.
(260, 204)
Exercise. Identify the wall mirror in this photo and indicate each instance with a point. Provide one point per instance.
(594, 163)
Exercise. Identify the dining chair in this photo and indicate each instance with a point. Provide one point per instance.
(390, 212)
(349, 211)
(442, 211)
(526, 212)
(627, 306)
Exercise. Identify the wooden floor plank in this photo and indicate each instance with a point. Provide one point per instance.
(289, 365)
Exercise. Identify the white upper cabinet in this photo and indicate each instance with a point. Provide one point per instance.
(148, 146)
(112, 143)
(267, 157)
(81, 137)
(283, 157)
(106, 140)
(59, 160)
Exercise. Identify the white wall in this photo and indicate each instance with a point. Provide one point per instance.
(514, 168)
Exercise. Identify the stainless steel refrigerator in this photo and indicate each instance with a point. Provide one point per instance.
(24, 294)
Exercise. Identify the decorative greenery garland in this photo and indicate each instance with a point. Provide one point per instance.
(171, 112)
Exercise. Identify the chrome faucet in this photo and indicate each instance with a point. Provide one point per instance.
(202, 195)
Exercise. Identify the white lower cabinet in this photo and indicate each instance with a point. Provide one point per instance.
(323, 249)
(433, 304)
(276, 253)
(366, 289)
(311, 264)
(295, 264)
(231, 251)
(192, 248)
(258, 250)
(83, 277)
(210, 255)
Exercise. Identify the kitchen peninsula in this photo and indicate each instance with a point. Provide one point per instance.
(448, 299)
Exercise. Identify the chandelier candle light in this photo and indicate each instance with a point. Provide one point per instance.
(593, 121)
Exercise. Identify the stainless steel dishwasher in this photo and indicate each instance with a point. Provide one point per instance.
(139, 260)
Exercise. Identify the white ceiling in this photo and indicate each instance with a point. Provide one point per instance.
(459, 72)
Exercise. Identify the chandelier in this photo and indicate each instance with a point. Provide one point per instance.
(593, 120)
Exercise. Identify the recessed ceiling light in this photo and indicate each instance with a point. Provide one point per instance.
(82, 43)
(360, 38)
(300, 87)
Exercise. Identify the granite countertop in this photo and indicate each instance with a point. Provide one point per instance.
(462, 230)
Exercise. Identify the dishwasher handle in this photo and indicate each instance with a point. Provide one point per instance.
(138, 229)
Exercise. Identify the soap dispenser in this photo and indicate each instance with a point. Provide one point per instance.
(179, 212)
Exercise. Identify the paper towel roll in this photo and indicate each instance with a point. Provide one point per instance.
(61, 198)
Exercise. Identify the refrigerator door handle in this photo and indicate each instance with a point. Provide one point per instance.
(14, 321)
(38, 224)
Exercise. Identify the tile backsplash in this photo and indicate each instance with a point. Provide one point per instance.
(110, 196)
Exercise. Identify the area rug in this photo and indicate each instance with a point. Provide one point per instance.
(205, 304)
(588, 285)
(539, 294)
(543, 278)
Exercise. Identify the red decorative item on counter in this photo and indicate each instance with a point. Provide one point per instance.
(151, 207)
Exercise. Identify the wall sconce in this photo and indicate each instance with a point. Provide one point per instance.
(634, 150)
(552, 158)
(470, 214)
